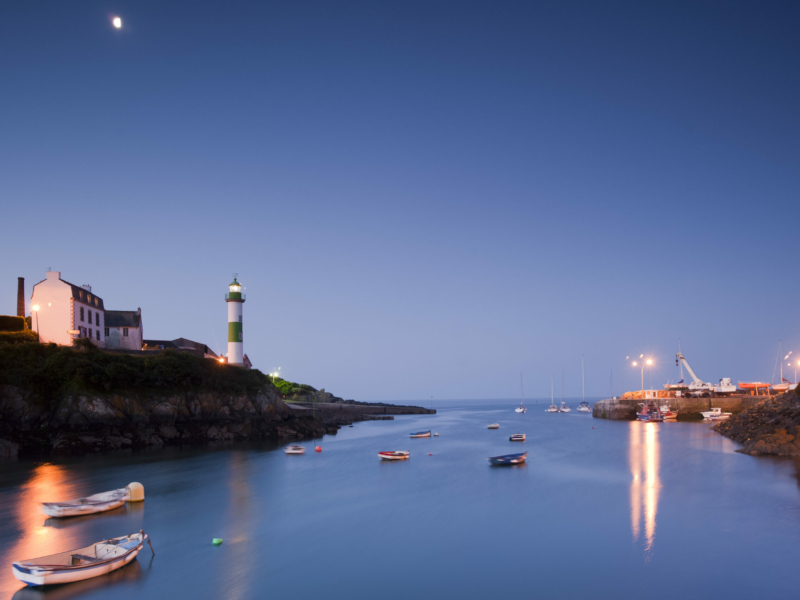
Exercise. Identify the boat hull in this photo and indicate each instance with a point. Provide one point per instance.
(87, 506)
(494, 426)
(517, 437)
(508, 459)
(397, 455)
(39, 575)
(421, 434)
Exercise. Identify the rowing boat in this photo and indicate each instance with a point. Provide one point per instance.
(294, 450)
(421, 434)
(90, 504)
(76, 565)
(394, 455)
(517, 437)
(494, 426)
(508, 459)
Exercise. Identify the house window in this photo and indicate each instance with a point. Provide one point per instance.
(90, 334)
(82, 314)
(124, 332)
(97, 319)
(106, 332)
(97, 333)
(90, 317)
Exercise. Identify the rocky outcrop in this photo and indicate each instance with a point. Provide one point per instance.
(96, 422)
(772, 427)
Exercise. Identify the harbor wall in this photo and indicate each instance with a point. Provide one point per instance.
(688, 408)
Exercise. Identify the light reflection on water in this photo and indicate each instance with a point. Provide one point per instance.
(644, 459)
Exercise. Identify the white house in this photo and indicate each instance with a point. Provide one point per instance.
(124, 329)
(62, 311)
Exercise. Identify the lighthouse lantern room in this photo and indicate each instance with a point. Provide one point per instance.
(235, 298)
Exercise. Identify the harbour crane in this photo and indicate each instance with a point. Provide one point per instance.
(698, 387)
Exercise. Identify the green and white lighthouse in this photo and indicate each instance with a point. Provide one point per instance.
(235, 299)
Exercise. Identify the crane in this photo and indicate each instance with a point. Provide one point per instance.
(698, 387)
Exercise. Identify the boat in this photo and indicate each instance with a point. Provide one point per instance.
(89, 505)
(395, 455)
(521, 408)
(517, 437)
(294, 450)
(421, 434)
(785, 384)
(754, 386)
(494, 426)
(436, 434)
(508, 459)
(668, 413)
(583, 407)
(564, 408)
(650, 413)
(76, 565)
(552, 408)
(715, 414)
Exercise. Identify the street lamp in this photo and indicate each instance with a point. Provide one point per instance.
(645, 363)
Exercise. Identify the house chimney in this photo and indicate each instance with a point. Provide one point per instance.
(21, 297)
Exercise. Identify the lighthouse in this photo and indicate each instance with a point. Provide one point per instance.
(235, 299)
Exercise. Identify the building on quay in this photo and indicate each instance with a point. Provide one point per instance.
(124, 329)
(62, 311)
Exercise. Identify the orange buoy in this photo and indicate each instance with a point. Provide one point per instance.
(430, 454)
(318, 449)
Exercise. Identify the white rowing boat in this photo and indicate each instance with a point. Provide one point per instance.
(94, 504)
(76, 565)
(494, 426)
(395, 455)
(295, 450)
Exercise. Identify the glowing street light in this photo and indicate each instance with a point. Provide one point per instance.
(645, 363)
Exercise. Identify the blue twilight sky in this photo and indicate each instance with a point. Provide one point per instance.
(421, 198)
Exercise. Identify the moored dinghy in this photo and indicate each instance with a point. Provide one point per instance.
(394, 455)
(508, 459)
(76, 565)
(494, 426)
(517, 437)
(421, 434)
(295, 450)
(94, 504)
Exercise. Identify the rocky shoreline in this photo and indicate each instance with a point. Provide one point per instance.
(770, 428)
(85, 423)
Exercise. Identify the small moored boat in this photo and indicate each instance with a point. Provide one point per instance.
(650, 413)
(92, 504)
(494, 426)
(508, 459)
(394, 455)
(564, 408)
(421, 434)
(294, 450)
(584, 407)
(517, 437)
(76, 565)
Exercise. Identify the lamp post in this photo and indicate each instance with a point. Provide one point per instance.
(645, 363)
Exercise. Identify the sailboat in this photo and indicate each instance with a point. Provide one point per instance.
(552, 408)
(564, 408)
(783, 386)
(584, 405)
(521, 408)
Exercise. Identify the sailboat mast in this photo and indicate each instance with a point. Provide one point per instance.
(552, 397)
(583, 380)
(521, 390)
(562, 385)
(780, 351)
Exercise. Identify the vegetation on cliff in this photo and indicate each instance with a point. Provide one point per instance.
(291, 390)
(772, 427)
(50, 371)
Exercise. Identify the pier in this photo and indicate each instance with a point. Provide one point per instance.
(688, 408)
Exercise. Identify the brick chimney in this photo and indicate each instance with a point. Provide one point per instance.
(21, 297)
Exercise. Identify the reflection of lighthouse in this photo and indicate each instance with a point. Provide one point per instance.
(235, 299)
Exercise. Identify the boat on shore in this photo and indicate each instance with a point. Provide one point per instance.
(96, 503)
(294, 450)
(394, 455)
(421, 434)
(517, 437)
(508, 459)
(494, 426)
(84, 563)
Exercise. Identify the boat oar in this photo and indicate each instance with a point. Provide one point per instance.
(149, 543)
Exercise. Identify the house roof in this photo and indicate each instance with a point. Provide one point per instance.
(180, 344)
(84, 296)
(123, 318)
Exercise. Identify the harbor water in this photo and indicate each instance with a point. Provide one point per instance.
(602, 509)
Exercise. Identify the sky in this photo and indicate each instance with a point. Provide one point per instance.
(422, 199)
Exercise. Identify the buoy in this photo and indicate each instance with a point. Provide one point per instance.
(135, 492)
(592, 427)
(430, 454)
(436, 434)
(318, 449)
(216, 541)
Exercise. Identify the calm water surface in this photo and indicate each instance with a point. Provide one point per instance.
(602, 509)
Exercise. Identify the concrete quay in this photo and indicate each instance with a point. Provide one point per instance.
(688, 408)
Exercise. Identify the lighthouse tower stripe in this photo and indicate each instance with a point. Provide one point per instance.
(235, 332)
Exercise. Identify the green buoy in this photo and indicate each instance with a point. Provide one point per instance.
(216, 541)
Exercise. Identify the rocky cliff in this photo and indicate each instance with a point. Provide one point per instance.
(92, 422)
(771, 427)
